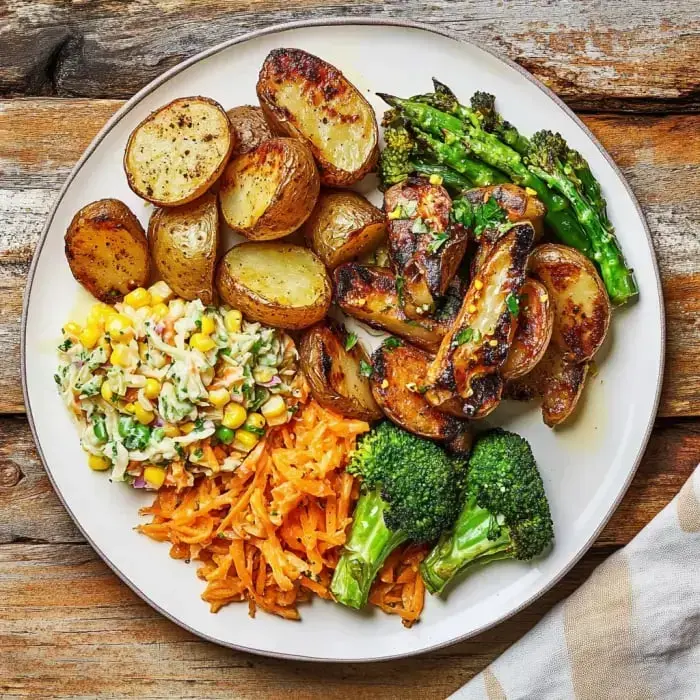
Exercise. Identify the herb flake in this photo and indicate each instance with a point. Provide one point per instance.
(350, 341)
(365, 368)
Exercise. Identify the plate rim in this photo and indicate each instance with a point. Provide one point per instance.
(242, 38)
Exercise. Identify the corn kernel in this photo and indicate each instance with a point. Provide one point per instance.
(90, 335)
(262, 375)
(208, 325)
(202, 342)
(72, 328)
(160, 292)
(154, 476)
(129, 408)
(106, 391)
(98, 464)
(119, 328)
(273, 407)
(436, 179)
(255, 420)
(120, 356)
(104, 344)
(234, 416)
(478, 284)
(160, 310)
(493, 343)
(385, 384)
(472, 309)
(187, 428)
(152, 388)
(138, 297)
(233, 320)
(394, 214)
(171, 430)
(530, 191)
(244, 440)
(142, 415)
(219, 397)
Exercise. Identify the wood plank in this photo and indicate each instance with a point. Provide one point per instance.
(596, 55)
(659, 155)
(32, 512)
(70, 628)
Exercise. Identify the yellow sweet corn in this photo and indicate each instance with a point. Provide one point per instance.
(120, 356)
(72, 328)
(98, 464)
(160, 292)
(171, 430)
(152, 388)
(244, 440)
(255, 420)
(119, 328)
(436, 179)
(142, 415)
(219, 397)
(234, 416)
(107, 393)
(233, 320)
(101, 313)
(130, 407)
(154, 476)
(478, 284)
(262, 375)
(202, 342)
(160, 310)
(208, 325)
(138, 297)
(273, 407)
(90, 335)
(187, 428)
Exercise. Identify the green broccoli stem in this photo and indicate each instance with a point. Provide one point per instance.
(592, 191)
(467, 545)
(450, 178)
(366, 550)
(618, 278)
(489, 149)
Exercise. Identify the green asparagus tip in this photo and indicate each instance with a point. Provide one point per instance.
(390, 99)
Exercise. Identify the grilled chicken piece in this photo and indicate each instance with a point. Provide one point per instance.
(369, 294)
(556, 381)
(424, 247)
(517, 204)
(465, 377)
(397, 375)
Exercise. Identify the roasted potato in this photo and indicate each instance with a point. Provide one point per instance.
(556, 381)
(342, 226)
(425, 248)
(309, 99)
(269, 192)
(107, 250)
(581, 304)
(398, 373)
(465, 378)
(178, 152)
(379, 257)
(331, 364)
(369, 294)
(184, 242)
(249, 128)
(533, 333)
(279, 284)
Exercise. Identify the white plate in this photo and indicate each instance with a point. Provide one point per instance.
(586, 467)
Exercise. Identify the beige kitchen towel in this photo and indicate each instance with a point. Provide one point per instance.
(631, 632)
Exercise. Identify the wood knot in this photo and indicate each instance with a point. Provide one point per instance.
(10, 475)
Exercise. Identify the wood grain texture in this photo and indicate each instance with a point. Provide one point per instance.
(40, 140)
(594, 54)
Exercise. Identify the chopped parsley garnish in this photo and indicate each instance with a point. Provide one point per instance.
(57, 379)
(479, 217)
(197, 454)
(513, 304)
(66, 345)
(179, 450)
(350, 341)
(439, 239)
(365, 368)
(464, 336)
(225, 351)
(392, 342)
(255, 430)
(255, 347)
(399, 288)
(423, 388)
(199, 424)
(198, 323)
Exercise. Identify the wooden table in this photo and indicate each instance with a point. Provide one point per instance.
(68, 626)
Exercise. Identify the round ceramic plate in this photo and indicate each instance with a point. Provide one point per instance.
(586, 466)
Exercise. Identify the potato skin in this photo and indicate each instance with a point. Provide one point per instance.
(175, 119)
(333, 372)
(270, 191)
(107, 250)
(249, 127)
(269, 265)
(298, 92)
(342, 226)
(184, 242)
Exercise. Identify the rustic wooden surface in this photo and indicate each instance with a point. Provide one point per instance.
(68, 626)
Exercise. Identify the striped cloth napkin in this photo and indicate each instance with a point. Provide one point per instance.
(631, 632)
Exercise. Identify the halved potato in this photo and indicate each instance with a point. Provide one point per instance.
(342, 226)
(107, 250)
(534, 331)
(331, 364)
(398, 373)
(270, 191)
(379, 257)
(250, 128)
(183, 242)
(304, 97)
(279, 284)
(178, 152)
(581, 303)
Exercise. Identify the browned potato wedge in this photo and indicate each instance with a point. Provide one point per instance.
(369, 295)
(183, 242)
(304, 97)
(107, 250)
(557, 382)
(581, 303)
(425, 249)
(379, 257)
(283, 285)
(465, 377)
(533, 333)
(342, 226)
(269, 192)
(249, 128)
(178, 152)
(333, 371)
(398, 370)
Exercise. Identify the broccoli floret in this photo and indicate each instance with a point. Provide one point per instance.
(505, 515)
(410, 491)
(395, 159)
